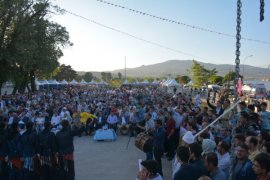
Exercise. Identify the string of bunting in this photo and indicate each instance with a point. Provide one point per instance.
(133, 36)
(181, 23)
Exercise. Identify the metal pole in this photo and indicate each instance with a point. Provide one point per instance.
(237, 71)
(238, 45)
(125, 68)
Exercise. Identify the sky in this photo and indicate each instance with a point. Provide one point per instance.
(96, 48)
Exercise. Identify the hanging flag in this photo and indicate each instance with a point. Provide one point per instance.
(239, 87)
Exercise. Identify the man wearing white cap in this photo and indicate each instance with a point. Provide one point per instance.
(187, 139)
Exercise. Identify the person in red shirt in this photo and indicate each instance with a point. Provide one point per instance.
(170, 130)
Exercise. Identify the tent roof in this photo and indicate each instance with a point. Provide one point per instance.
(64, 82)
(83, 82)
(73, 82)
(52, 81)
(126, 82)
(171, 82)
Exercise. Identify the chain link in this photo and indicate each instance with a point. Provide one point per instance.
(237, 71)
(262, 10)
(238, 45)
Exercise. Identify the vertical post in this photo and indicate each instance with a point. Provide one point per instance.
(237, 70)
(125, 68)
(238, 45)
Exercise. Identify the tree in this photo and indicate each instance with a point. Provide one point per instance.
(30, 44)
(216, 80)
(106, 76)
(66, 72)
(88, 76)
(119, 75)
(230, 76)
(200, 75)
(183, 79)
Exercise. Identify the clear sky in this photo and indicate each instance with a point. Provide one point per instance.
(99, 49)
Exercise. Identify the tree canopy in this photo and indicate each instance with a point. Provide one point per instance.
(30, 44)
(200, 75)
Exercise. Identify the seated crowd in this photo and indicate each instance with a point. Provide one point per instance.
(37, 129)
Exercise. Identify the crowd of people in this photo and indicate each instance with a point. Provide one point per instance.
(37, 130)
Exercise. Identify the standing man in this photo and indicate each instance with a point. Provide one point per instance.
(242, 167)
(29, 144)
(47, 151)
(186, 170)
(64, 141)
(265, 117)
(148, 128)
(158, 144)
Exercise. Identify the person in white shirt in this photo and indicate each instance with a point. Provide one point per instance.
(224, 160)
(55, 120)
(112, 121)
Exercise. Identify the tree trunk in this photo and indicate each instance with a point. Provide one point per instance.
(16, 86)
(32, 80)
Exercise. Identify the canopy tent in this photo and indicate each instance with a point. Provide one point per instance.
(64, 82)
(145, 82)
(73, 82)
(125, 82)
(41, 83)
(52, 84)
(83, 82)
(93, 82)
(155, 83)
(102, 83)
(172, 86)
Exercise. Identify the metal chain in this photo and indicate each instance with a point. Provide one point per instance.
(237, 71)
(238, 45)
(262, 10)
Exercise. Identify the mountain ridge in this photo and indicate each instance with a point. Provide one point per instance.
(179, 67)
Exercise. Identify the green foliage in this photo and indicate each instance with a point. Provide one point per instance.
(216, 80)
(30, 44)
(230, 76)
(183, 79)
(119, 75)
(200, 75)
(66, 72)
(149, 79)
(116, 82)
(88, 76)
(106, 76)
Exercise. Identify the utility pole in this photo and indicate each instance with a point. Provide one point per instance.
(125, 68)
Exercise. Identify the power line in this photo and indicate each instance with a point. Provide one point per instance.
(133, 36)
(181, 23)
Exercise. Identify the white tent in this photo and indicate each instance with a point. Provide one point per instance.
(93, 82)
(125, 82)
(171, 85)
(145, 82)
(73, 82)
(83, 82)
(155, 82)
(102, 83)
(64, 82)
(53, 82)
(172, 82)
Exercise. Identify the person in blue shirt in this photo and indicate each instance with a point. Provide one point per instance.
(265, 117)
(158, 143)
(242, 167)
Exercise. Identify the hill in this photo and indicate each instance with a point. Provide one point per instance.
(180, 67)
